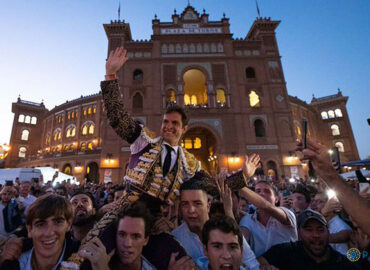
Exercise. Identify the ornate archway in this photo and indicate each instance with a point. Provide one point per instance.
(201, 142)
(92, 173)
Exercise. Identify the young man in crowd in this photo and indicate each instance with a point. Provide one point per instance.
(300, 199)
(194, 209)
(269, 225)
(24, 195)
(48, 221)
(222, 243)
(311, 252)
(132, 235)
(10, 215)
(84, 214)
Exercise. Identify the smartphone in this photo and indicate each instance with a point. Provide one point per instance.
(335, 159)
(286, 193)
(304, 133)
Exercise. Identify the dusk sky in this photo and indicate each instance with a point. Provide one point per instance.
(54, 50)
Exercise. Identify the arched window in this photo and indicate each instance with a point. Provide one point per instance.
(250, 73)
(197, 143)
(338, 113)
(22, 152)
(259, 128)
(66, 147)
(340, 146)
(59, 135)
(186, 99)
(84, 130)
(335, 130)
(73, 115)
(91, 129)
(324, 115)
(67, 169)
(85, 112)
(68, 134)
(89, 110)
(94, 110)
(69, 115)
(28, 119)
(21, 118)
(137, 101)
(138, 75)
(73, 132)
(83, 146)
(331, 114)
(25, 134)
(170, 96)
(194, 100)
(298, 131)
(221, 98)
(254, 99)
(188, 143)
(90, 146)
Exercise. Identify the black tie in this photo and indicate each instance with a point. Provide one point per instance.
(167, 160)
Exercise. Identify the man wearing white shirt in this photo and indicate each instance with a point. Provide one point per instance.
(24, 195)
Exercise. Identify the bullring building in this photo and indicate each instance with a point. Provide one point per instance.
(234, 91)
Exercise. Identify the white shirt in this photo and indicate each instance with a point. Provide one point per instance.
(194, 247)
(336, 224)
(264, 237)
(26, 201)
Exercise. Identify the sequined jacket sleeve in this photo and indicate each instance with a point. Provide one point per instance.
(124, 125)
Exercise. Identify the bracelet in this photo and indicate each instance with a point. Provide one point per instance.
(110, 77)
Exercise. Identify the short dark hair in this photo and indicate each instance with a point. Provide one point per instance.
(303, 190)
(271, 185)
(49, 205)
(174, 108)
(194, 184)
(136, 210)
(87, 193)
(223, 223)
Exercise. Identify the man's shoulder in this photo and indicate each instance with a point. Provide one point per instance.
(180, 230)
(190, 162)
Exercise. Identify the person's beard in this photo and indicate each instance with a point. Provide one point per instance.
(317, 252)
(80, 220)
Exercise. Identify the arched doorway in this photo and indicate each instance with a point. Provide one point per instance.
(67, 169)
(203, 145)
(272, 170)
(195, 88)
(92, 173)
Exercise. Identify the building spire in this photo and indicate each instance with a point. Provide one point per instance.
(258, 10)
(188, 2)
(119, 10)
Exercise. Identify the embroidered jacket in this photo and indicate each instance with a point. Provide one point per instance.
(145, 170)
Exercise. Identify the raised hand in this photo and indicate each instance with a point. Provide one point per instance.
(225, 194)
(251, 164)
(96, 253)
(115, 61)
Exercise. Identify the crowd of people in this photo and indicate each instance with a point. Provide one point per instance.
(167, 213)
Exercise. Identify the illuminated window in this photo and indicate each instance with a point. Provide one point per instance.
(138, 75)
(259, 128)
(221, 99)
(89, 110)
(197, 143)
(250, 73)
(94, 110)
(83, 146)
(28, 119)
(73, 115)
(298, 131)
(73, 132)
(21, 118)
(188, 144)
(186, 99)
(67, 169)
(335, 130)
(331, 114)
(68, 134)
(84, 130)
(338, 113)
(85, 112)
(340, 146)
(324, 115)
(254, 99)
(25, 134)
(193, 100)
(69, 116)
(66, 147)
(59, 135)
(195, 86)
(90, 146)
(170, 96)
(88, 170)
(33, 120)
(22, 152)
(91, 129)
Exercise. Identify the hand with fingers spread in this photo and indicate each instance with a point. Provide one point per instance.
(225, 194)
(96, 253)
(251, 164)
(117, 58)
(184, 263)
(331, 207)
